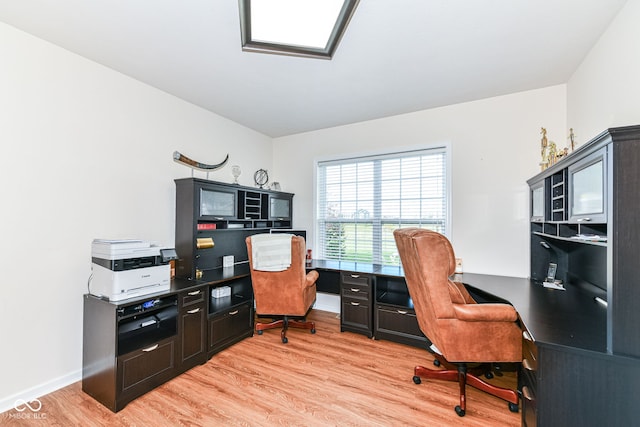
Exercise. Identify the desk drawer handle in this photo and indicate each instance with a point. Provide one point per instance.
(355, 276)
(403, 312)
(527, 336)
(355, 303)
(526, 393)
(195, 310)
(153, 347)
(233, 313)
(355, 290)
(194, 293)
(527, 365)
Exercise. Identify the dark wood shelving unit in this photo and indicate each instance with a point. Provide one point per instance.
(226, 214)
(591, 231)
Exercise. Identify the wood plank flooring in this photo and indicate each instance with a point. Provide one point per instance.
(327, 379)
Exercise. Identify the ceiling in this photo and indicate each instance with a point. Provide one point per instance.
(397, 56)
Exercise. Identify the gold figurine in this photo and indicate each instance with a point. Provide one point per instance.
(572, 139)
(543, 149)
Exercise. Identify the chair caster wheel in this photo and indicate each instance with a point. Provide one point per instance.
(313, 331)
(436, 362)
(513, 407)
(488, 375)
(416, 379)
(285, 340)
(260, 332)
(460, 411)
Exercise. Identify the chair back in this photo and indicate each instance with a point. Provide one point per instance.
(461, 329)
(428, 261)
(281, 292)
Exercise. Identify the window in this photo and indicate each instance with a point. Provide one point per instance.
(309, 28)
(362, 200)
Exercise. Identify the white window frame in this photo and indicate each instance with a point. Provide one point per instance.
(443, 147)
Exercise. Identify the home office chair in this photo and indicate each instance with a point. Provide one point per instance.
(462, 332)
(282, 288)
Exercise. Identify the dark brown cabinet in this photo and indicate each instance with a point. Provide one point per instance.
(229, 326)
(128, 348)
(230, 316)
(394, 314)
(356, 303)
(193, 336)
(528, 379)
(213, 219)
(143, 370)
(132, 346)
(584, 222)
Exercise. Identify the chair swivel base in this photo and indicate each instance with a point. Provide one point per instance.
(459, 373)
(285, 323)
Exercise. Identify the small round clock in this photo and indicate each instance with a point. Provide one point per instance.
(261, 177)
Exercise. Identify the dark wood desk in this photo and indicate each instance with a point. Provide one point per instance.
(577, 382)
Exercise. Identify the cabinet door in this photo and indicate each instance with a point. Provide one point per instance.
(142, 370)
(280, 206)
(399, 325)
(193, 326)
(193, 336)
(230, 326)
(587, 189)
(356, 313)
(216, 202)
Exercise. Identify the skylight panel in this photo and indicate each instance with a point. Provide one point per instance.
(294, 27)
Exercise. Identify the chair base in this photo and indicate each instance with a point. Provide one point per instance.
(460, 373)
(285, 322)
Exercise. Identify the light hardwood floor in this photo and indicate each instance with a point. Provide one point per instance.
(327, 379)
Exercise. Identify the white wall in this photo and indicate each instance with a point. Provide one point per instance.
(495, 148)
(604, 91)
(87, 152)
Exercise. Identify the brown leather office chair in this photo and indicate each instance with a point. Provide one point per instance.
(286, 295)
(462, 331)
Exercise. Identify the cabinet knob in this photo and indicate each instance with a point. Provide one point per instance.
(355, 276)
(233, 313)
(194, 293)
(355, 303)
(584, 219)
(355, 290)
(195, 310)
(527, 336)
(526, 393)
(402, 312)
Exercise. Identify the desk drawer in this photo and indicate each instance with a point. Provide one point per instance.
(352, 290)
(529, 354)
(356, 313)
(401, 321)
(192, 297)
(355, 279)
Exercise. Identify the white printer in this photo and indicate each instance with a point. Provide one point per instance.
(128, 268)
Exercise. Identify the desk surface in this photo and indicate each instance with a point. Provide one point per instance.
(570, 318)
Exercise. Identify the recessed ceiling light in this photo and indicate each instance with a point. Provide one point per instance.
(294, 27)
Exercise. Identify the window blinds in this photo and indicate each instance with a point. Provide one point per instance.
(362, 200)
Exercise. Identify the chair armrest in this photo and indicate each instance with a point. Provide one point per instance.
(485, 312)
(311, 278)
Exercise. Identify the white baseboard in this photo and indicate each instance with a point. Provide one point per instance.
(8, 403)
